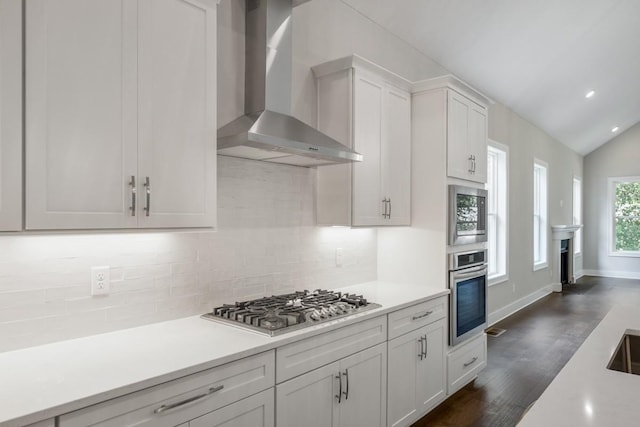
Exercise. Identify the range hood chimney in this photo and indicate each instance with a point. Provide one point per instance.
(268, 131)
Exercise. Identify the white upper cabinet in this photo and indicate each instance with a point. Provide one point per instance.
(177, 112)
(10, 115)
(368, 109)
(120, 114)
(465, 120)
(467, 141)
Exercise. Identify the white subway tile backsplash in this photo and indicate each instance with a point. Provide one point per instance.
(266, 242)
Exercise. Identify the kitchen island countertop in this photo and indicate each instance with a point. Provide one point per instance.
(585, 392)
(48, 380)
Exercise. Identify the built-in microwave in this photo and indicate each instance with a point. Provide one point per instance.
(467, 215)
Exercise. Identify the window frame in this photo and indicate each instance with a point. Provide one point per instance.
(577, 219)
(612, 219)
(502, 214)
(540, 209)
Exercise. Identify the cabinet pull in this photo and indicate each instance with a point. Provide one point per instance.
(470, 163)
(191, 400)
(389, 215)
(426, 346)
(471, 362)
(346, 393)
(147, 186)
(473, 164)
(132, 184)
(339, 395)
(428, 313)
(421, 354)
(384, 201)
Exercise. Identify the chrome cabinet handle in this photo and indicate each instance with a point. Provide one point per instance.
(473, 164)
(471, 362)
(346, 393)
(470, 163)
(421, 354)
(426, 346)
(339, 395)
(386, 205)
(191, 400)
(147, 186)
(428, 313)
(389, 215)
(132, 184)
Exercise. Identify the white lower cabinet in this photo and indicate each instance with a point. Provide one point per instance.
(254, 411)
(223, 390)
(465, 361)
(416, 373)
(350, 392)
(46, 423)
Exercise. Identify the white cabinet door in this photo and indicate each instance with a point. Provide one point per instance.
(81, 88)
(396, 152)
(367, 180)
(466, 138)
(121, 113)
(365, 384)
(404, 355)
(431, 370)
(311, 397)
(177, 113)
(10, 115)
(478, 141)
(254, 411)
(360, 107)
(416, 373)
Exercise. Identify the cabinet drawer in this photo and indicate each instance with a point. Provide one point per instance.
(464, 363)
(416, 316)
(254, 411)
(303, 356)
(201, 393)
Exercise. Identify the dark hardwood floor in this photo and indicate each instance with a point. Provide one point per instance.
(539, 341)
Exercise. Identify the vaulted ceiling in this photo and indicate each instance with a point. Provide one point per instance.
(538, 57)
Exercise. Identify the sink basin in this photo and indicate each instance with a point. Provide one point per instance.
(626, 358)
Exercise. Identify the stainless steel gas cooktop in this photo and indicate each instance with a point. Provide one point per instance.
(283, 313)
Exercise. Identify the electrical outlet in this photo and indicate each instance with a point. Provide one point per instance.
(338, 257)
(100, 280)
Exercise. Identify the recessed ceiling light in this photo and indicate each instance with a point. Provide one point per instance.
(590, 94)
(615, 129)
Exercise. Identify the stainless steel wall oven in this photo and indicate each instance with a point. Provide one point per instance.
(468, 302)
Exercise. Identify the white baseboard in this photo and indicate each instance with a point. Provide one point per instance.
(517, 305)
(615, 274)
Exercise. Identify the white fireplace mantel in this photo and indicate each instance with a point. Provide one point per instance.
(560, 233)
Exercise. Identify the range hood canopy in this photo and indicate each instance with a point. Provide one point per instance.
(268, 131)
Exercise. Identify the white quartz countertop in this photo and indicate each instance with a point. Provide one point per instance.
(586, 393)
(41, 382)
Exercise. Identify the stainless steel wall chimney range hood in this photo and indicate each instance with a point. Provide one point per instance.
(268, 131)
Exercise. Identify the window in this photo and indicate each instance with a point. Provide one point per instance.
(539, 214)
(577, 215)
(625, 198)
(497, 161)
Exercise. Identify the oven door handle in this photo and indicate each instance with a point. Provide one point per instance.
(470, 272)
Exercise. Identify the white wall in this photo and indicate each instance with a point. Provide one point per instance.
(619, 157)
(266, 243)
(526, 142)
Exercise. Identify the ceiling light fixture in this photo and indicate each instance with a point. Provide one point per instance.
(590, 94)
(615, 129)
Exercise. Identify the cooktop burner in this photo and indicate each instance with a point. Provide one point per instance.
(282, 313)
